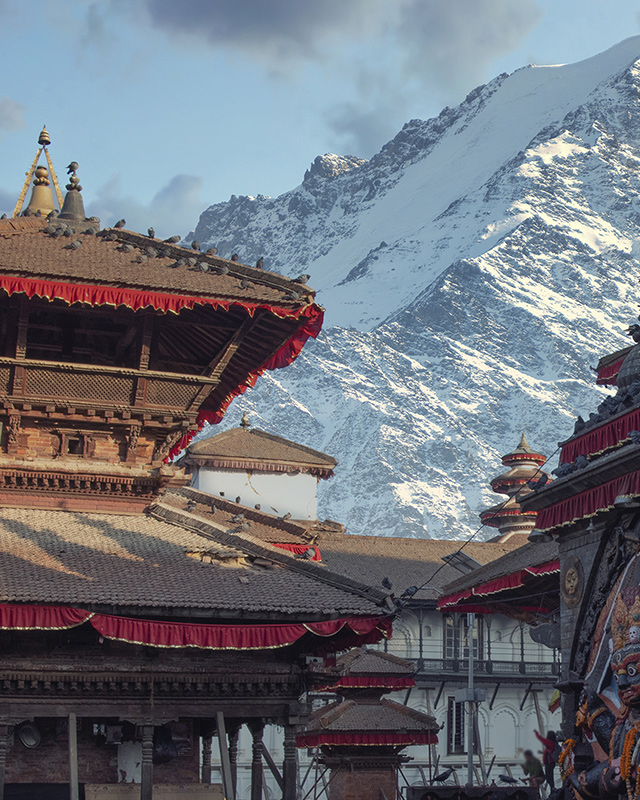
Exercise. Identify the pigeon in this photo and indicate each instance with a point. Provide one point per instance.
(191, 506)
(195, 245)
(151, 233)
(53, 214)
(301, 279)
(634, 436)
(634, 332)
(140, 259)
(441, 777)
(285, 516)
(237, 518)
(387, 583)
(580, 423)
(172, 240)
(224, 270)
(4, 216)
(50, 229)
(627, 401)
(120, 223)
(73, 245)
(203, 266)
(235, 257)
(562, 470)
(68, 232)
(581, 462)
(293, 295)
(308, 554)
(508, 779)
(151, 252)
(245, 284)
(38, 213)
(192, 262)
(238, 499)
(90, 231)
(257, 506)
(126, 248)
(212, 251)
(179, 263)
(260, 263)
(410, 591)
(72, 167)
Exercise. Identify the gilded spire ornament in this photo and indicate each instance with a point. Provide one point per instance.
(41, 198)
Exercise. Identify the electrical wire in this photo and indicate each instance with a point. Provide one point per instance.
(483, 525)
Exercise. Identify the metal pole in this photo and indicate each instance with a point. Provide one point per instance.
(73, 757)
(471, 619)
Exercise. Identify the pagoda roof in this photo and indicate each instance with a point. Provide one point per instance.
(27, 250)
(256, 450)
(506, 584)
(174, 560)
(352, 722)
(406, 562)
(362, 661)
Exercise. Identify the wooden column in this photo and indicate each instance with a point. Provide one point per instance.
(74, 791)
(4, 746)
(257, 729)
(146, 783)
(206, 759)
(225, 766)
(290, 766)
(234, 733)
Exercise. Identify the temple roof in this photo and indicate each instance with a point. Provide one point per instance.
(374, 717)
(508, 580)
(26, 249)
(362, 661)
(170, 561)
(406, 562)
(256, 450)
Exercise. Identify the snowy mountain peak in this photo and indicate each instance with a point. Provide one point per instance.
(330, 166)
(472, 272)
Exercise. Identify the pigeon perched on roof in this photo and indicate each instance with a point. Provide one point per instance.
(195, 245)
(235, 257)
(172, 240)
(285, 516)
(4, 216)
(301, 279)
(151, 233)
(634, 332)
(245, 284)
(120, 223)
(387, 584)
(237, 517)
(212, 251)
(72, 167)
(260, 263)
(634, 436)
(581, 462)
(73, 245)
(580, 423)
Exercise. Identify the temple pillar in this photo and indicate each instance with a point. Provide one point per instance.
(146, 782)
(257, 729)
(206, 759)
(289, 768)
(4, 746)
(233, 734)
(74, 789)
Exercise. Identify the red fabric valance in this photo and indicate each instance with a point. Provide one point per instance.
(231, 637)
(41, 618)
(179, 634)
(588, 503)
(607, 375)
(502, 584)
(602, 438)
(356, 739)
(298, 549)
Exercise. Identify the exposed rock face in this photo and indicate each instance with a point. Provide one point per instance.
(473, 271)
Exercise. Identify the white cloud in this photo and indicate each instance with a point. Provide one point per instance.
(11, 114)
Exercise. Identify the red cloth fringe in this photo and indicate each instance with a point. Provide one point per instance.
(180, 634)
(356, 739)
(601, 438)
(298, 549)
(505, 583)
(368, 682)
(588, 503)
(607, 375)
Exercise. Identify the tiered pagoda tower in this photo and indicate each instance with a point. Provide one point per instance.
(524, 465)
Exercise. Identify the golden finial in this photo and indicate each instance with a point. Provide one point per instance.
(244, 422)
(44, 139)
(524, 444)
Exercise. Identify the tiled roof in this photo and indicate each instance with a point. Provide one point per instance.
(168, 560)
(25, 249)
(361, 661)
(363, 717)
(406, 562)
(255, 449)
(530, 555)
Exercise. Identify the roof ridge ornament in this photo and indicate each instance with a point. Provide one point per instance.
(244, 422)
(41, 200)
(73, 206)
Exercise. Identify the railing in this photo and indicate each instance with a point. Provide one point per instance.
(452, 666)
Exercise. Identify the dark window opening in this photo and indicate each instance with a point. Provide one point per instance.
(455, 728)
(75, 445)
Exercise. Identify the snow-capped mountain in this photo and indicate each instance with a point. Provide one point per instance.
(473, 271)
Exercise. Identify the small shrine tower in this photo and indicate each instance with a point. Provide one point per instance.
(524, 466)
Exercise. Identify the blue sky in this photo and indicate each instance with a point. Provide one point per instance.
(171, 105)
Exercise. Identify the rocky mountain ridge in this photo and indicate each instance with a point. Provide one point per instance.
(473, 271)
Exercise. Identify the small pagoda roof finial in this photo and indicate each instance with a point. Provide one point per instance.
(73, 207)
(244, 422)
(524, 444)
(44, 140)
